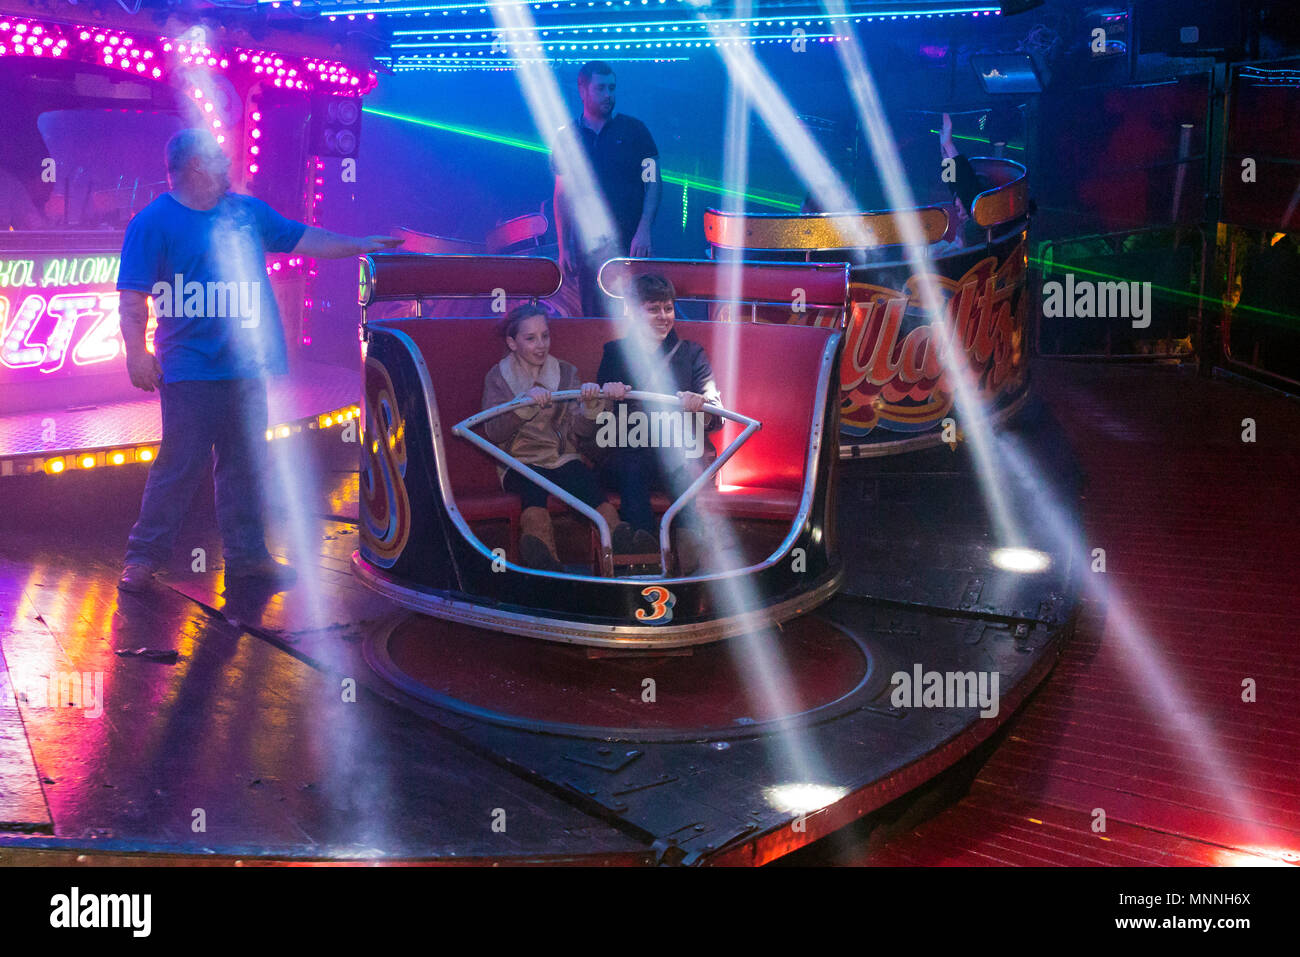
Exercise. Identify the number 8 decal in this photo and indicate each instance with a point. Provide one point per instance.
(661, 600)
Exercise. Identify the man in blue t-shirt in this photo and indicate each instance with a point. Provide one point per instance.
(200, 252)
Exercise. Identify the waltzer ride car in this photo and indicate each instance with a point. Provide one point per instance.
(439, 534)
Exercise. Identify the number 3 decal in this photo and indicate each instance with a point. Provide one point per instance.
(661, 600)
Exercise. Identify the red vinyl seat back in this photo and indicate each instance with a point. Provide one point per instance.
(768, 372)
(459, 353)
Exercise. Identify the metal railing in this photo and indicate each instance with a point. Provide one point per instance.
(606, 559)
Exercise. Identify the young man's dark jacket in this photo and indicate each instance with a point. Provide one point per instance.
(687, 369)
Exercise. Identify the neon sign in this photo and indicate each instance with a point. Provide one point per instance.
(40, 335)
(58, 271)
(57, 309)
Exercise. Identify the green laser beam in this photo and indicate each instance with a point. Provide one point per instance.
(980, 139)
(777, 200)
(1061, 268)
(461, 130)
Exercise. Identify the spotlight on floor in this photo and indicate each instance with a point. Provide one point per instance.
(1027, 561)
(802, 798)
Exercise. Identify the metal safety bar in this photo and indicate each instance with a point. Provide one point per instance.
(465, 430)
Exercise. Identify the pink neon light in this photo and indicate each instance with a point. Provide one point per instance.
(101, 342)
(92, 315)
(122, 51)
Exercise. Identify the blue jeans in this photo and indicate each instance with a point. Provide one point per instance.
(225, 418)
(636, 472)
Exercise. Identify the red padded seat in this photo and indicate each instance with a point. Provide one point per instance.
(768, 372)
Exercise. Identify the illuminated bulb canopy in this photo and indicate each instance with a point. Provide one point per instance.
(1027, 561)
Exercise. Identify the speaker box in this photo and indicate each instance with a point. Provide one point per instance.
(335, 125)
(1205, 28)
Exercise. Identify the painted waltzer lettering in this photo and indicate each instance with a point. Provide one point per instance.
(899, 379)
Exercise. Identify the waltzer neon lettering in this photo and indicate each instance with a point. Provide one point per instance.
(43, 333)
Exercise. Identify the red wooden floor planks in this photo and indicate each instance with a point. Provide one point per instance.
(1203, 560)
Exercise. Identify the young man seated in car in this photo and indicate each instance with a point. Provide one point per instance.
(656, 446)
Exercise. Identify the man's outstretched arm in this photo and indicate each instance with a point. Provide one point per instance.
(323, 244)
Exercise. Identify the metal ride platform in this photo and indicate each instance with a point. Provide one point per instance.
(453, 729)
(55, 438)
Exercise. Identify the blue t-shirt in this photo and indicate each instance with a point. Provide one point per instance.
(206, 271)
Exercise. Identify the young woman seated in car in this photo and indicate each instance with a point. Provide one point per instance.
(544, 434)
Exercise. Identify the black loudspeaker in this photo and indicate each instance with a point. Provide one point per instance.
(335, 125)
(1017, 6)
(1204, 28)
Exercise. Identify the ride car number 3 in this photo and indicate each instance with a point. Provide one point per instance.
(661, 605)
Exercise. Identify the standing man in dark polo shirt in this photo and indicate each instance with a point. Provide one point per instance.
(200, 252)
(625, 162)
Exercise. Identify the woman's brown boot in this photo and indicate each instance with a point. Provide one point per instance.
(537, 540)
(620, 531)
